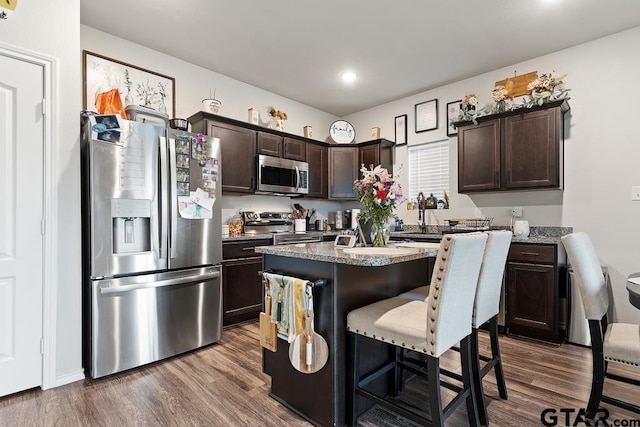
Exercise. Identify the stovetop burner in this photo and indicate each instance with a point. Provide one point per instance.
(280, 224)
(267, 222)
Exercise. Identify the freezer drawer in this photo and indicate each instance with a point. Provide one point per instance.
(142, 319)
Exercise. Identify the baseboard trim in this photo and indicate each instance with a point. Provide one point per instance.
(70, 377)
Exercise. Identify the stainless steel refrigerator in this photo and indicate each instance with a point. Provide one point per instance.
(152, 244)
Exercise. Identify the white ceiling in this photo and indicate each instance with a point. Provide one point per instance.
(298, 48)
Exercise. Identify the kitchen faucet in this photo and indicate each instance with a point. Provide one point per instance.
(422, 216)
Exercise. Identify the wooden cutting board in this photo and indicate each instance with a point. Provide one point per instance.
(308, 352)
(268, 329)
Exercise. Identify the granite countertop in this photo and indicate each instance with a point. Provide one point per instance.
(247, 237)
(260, 236)
(537, 235)
(327, 252)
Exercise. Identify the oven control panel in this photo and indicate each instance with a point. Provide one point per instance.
(267, 222)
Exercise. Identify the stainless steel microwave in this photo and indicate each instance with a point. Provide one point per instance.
(282, 176)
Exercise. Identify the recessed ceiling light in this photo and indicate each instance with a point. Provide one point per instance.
(348, 76)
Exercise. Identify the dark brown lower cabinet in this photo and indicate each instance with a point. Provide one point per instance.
(533, 291)
(241, 283)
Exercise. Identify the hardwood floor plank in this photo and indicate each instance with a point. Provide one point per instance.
(223, 384)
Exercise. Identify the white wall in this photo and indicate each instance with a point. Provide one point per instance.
(601, 152)
(193, 83)
(52, 29)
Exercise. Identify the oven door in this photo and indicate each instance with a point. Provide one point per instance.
(276, 175)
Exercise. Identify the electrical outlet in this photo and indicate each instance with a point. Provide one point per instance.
(635, 192)
(516, 212)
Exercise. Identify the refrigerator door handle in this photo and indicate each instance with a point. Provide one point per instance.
(174, 199)
(164, 195)
(106, 289)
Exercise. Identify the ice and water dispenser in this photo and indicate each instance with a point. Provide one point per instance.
(131, 225)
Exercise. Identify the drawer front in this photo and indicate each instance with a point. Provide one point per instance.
(544, 254)
(242, 249)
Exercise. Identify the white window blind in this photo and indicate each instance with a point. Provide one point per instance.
(429, 169)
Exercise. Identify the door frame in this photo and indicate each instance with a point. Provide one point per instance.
(50, 209)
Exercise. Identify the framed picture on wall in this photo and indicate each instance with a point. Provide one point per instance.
(401, 129)
(427, 116)
(453, 110)
(110, 85)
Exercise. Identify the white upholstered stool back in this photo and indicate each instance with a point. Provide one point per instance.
(588, 274)
(450, 303)
(487, 303)
(610, 342)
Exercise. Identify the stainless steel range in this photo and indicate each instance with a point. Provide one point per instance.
(280, 224)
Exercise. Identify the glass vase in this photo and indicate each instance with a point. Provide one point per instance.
(379, 233)
(128, 100)
(162, 107)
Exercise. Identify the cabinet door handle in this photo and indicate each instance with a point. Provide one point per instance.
(530, 253)
(248, 249)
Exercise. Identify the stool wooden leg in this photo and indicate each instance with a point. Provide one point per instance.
(398, 381)
(468, 382)
(477, 379)
(599, 369)
(435, 398)
(355, 359)
(495, 354)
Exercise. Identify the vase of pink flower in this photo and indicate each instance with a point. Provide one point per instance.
(380, 194)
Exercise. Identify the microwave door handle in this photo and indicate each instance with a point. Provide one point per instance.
(164, 195)
(297, 179)
(173, 197)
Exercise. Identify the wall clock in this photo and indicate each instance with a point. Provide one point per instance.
(342, 132)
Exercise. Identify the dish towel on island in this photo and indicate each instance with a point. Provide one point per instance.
(288, 292)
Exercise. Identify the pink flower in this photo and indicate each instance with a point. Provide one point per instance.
(381, 173)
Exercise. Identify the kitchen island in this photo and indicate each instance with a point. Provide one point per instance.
(352, 281)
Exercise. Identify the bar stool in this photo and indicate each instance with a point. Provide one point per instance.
(610, 342)
(430, 328)
(485, 309)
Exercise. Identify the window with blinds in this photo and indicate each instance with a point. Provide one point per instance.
(429, 169)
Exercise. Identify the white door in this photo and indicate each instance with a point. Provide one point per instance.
(21, 212)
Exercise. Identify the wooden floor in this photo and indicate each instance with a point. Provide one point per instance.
(223, 385)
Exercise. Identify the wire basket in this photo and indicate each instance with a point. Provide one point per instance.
(469, 224)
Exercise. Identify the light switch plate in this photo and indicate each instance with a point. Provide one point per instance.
(516, 212)
(635, 192)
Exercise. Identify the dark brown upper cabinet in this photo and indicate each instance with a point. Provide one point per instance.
(345, 163)
(294, 149)
(516, 150)
(343, 171)
(271, 144)
(318, 159)
(238, 151)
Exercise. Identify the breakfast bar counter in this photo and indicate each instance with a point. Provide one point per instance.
(352, 281)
